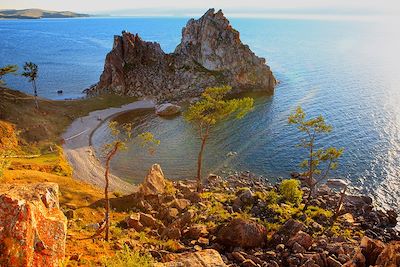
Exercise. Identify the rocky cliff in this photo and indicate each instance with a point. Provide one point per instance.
(210, 53)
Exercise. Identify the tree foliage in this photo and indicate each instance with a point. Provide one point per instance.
(122, 134)
(7, 70)
(212, 109)
(290, 191)
(319, 161)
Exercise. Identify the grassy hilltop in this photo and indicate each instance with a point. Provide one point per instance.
(37, 14)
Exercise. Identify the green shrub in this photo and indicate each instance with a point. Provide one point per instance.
(290, 191)
(129, 258)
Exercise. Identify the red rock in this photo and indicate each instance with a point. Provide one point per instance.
(242, 233)
(302, 238)
(204, 258)
(154, 183)
(390, 256)
(288, 230)
(32, 226)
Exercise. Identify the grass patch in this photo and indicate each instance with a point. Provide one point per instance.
(129, 258)
(53, 117)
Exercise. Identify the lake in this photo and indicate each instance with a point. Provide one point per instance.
(348, 71)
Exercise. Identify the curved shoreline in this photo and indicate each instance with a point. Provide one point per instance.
(80, 154)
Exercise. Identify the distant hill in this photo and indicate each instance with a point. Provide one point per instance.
(37, 14)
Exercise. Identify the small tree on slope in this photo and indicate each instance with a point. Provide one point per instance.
(319, 161)
(31, 72)
(122, 134)
(212, 109)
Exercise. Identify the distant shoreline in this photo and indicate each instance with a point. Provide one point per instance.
(7, 14)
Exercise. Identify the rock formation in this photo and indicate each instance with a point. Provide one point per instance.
(210, 53)
(154, 183)
(32, 227)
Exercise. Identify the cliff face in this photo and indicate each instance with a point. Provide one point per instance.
(210, 54)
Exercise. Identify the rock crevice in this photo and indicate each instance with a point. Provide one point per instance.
(210, 54)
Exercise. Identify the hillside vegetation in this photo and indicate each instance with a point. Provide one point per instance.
(37, 14)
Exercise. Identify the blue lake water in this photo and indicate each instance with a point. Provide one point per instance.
(347, 71)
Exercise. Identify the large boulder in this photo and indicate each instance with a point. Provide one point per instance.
(167, 109)
(242, 233)
(210, 53)
(32, 227)
(204, 258)
(154, 183)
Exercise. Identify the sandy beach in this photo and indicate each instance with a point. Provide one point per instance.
(80, 154)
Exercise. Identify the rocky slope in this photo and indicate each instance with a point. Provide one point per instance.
(210, 53)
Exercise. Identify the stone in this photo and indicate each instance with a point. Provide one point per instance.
(242, 233)
(238, 256)
(196, 231)
(288, 230)
(203, 258)
(171, 233)
(333, 263)
(302, 238)
(210, 53)
(371, 249)
(69, 214)
(179, 204)
(390, 256)
(149, 221)
(167, 109)
(297, 248)
(249, 263)
(133, 221)
(32, 227)
(154, 182)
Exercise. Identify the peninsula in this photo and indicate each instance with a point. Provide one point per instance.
(37, 14)
(209, 54)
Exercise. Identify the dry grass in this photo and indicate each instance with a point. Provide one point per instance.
(53, 117)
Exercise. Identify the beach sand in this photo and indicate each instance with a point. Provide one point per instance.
(80, 154)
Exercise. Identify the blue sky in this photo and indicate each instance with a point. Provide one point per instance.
(179, 7)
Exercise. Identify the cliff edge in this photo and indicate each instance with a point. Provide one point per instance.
(210, 54)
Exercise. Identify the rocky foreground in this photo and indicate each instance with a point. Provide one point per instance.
(239, 220)
(210, 54)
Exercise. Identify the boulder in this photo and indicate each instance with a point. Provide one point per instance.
(167, 109)
(204, 258)
(154, 183)
(390, 256)
(133, 221)
(210, 53)
(302, 238)
(242, 233)
(32, 226)
(288, 230)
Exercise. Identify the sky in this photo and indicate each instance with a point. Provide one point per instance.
(181, 7)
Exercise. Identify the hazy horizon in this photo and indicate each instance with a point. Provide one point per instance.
(252, 8)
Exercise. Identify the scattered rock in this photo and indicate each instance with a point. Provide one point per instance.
(288, 230)
(242, 233)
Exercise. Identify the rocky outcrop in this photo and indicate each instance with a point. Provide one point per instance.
(32, 227)
(154, 183)
(210, 53)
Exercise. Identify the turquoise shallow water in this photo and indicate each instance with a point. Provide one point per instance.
(347, 71)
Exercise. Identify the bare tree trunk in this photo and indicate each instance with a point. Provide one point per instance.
(35, 94)
(107, 215)
(200, 159)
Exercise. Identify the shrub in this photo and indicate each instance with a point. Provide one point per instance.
(290, 191)
(128, 258)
